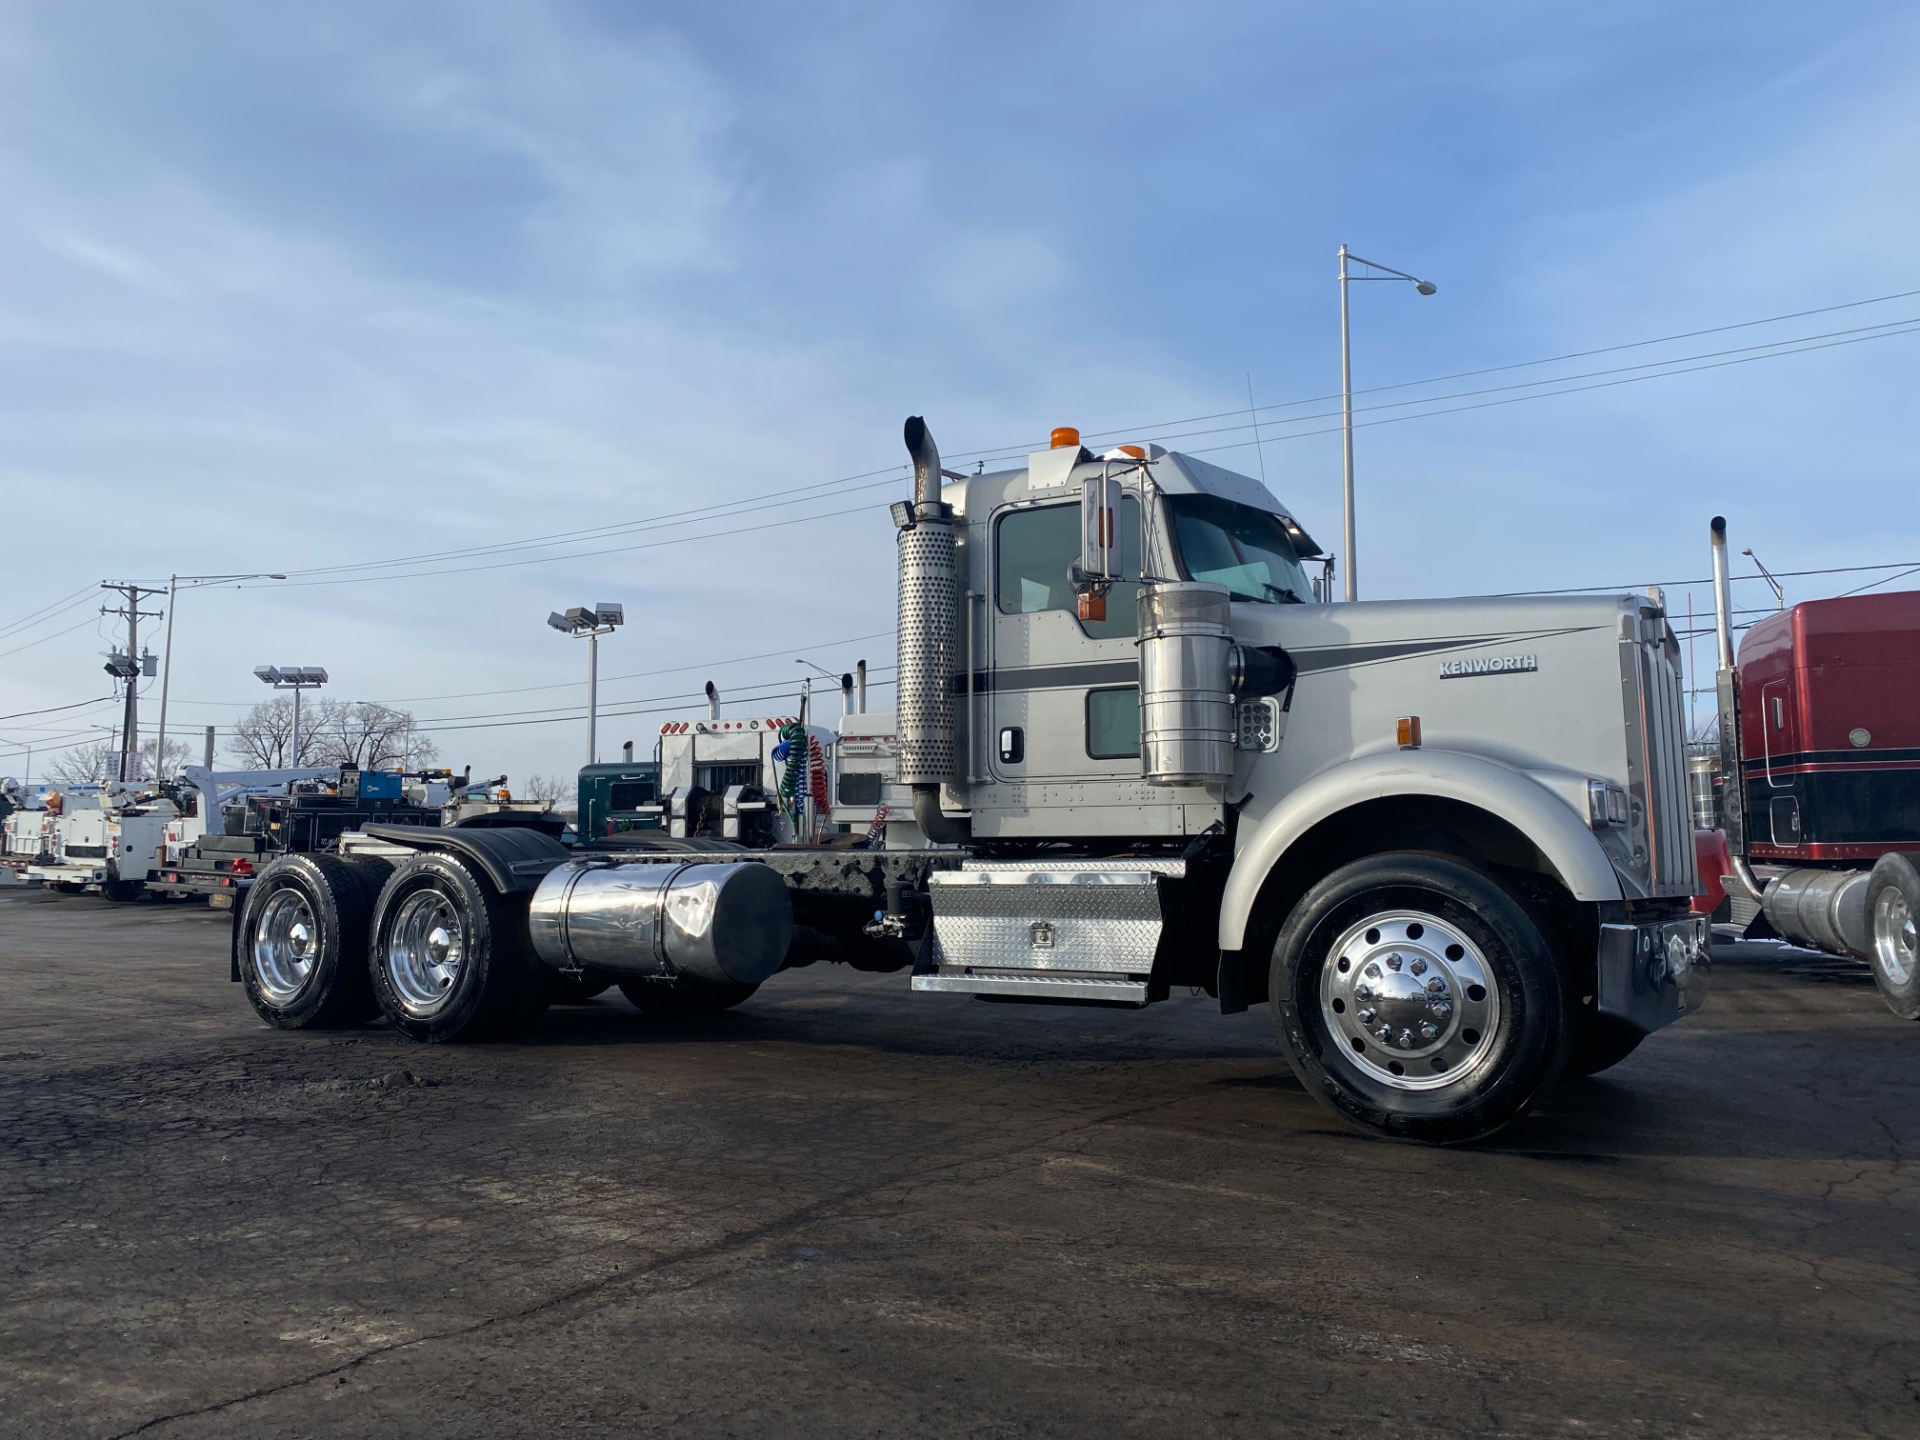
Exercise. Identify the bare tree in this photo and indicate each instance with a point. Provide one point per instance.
(546, 790)
(263, 737)
(332, 732)
(85, 765)
(178, 754)
(370, 735)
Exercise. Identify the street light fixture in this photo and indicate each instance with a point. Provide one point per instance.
(192, 582)
(295, 678)
(1387, 272)
(1779, 590)
(590, 622)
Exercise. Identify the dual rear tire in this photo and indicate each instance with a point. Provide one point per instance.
(325, 942)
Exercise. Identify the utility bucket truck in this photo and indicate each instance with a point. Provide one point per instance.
(1446, 842)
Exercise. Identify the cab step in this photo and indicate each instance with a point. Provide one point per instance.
(1064, 930)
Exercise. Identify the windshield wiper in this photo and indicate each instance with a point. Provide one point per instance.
(1281, 592)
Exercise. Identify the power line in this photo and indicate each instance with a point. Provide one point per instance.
(66, 603)
(19, 714)
(789, 496)
(44, 638)
(1498, 369)
(1569, 390)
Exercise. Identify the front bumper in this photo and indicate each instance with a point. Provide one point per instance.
(1652, 974)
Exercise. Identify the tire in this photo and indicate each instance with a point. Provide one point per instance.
(1893, 907)
(122, 892)
(684, 997)
(1455, 1067)
(1601, 1042)
(302, 944)
(574, 989)
(450, 958)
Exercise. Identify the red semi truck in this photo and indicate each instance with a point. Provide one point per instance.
(1819, 786)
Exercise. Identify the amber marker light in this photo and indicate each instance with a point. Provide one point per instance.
(1064, 437)
(1407, 728)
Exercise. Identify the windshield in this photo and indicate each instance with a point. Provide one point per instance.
(1244, 549)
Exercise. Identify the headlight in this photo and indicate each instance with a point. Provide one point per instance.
(1606, 804)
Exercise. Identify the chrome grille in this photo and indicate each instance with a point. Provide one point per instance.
(1661, 786)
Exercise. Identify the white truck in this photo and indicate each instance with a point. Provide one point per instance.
(1446, 842)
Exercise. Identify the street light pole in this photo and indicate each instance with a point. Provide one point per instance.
(1424, 287)
(1346, 435)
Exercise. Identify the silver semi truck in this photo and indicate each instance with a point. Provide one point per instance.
(1446, 842)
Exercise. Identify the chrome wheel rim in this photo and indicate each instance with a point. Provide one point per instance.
(425, 952)
(286, 945)
(1894, 941)
(1411, 1000)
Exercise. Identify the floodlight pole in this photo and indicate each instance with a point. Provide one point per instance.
(593, 697)
(589, 623)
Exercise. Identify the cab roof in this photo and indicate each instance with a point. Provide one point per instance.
(1050, 473)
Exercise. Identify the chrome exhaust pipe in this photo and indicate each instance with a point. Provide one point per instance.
(713, 701)
(846, 696)
(1722, 594)
(929, 616)
(860, 688)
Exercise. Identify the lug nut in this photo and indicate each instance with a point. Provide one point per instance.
(1419, 966)
(1393, 962)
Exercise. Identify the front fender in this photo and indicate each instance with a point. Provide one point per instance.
(1500, 790)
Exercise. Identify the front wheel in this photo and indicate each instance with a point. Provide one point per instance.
(1417, 998)
(1893, 905)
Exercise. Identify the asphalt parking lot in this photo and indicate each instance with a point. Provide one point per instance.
(845, 1210)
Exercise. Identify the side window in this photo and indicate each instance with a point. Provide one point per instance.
(1113, 723)
(1036, 549)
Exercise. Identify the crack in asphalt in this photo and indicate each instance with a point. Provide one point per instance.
(732, 1243)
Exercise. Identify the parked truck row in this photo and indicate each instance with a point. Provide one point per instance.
(1446, 843)
(206, 833)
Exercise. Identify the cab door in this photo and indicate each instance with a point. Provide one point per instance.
(1064, 694)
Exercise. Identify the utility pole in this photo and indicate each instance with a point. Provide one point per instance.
(131, 670)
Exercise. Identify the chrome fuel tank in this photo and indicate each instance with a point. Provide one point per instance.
(725, 923)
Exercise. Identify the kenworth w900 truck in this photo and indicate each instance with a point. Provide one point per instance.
(1446, 842)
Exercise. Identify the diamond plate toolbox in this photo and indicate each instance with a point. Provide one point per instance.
(1099, 916)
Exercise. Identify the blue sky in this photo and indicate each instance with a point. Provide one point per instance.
(289, 287)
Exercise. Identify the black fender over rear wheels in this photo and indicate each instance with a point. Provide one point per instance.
(450, 957)
(302, 942)
(1417, 998)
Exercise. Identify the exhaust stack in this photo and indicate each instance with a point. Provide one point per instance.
(713, 701)
(860, 688)
(929, 616)
(846, 696)
(1722, 594)
(1733, 799)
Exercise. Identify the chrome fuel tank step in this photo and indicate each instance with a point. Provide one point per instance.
(1063, 929)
